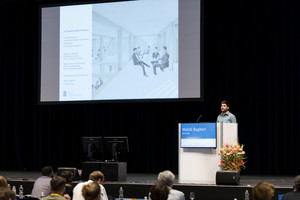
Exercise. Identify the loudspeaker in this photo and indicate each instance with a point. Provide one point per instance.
(73, 170)
(227, 178)
(89, 167)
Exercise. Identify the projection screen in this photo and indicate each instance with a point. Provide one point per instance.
(119, 51)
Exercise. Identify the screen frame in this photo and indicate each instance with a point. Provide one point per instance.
(96, 139)
(162, 100)
(123, 139)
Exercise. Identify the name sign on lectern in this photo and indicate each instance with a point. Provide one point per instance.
(198, 135)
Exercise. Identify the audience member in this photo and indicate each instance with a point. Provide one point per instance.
(3, 182)
(159, 191)
(295, 194)
(96, 177)
(7, 194)
(167, 177)
(42, 184)
(263, 191)
(91, 191)
(69, 188)
(58, 186)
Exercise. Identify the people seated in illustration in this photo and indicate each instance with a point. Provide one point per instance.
(138, 61)
(295, 194)
(58, 186)
(165, 58)
(263, 191)
(96, 177)
(155, 57)
(42, 184)
(167, 177)
(163, 61)
(159, 191)
(69, 188)
(91, 191)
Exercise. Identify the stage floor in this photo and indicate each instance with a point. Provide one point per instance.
(246, 180)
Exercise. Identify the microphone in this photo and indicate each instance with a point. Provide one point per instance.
(200, 116)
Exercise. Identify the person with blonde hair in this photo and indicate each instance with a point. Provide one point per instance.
(3, 182)
(263, 191)
(168, 178)
(97, 177)
(7, 194)
(91, 191)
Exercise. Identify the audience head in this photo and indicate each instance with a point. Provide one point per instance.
(263, 191)
(3, 182)
(97, 176)
(67, 175)
(167, 177)
(47, 171)
(91, 191)
(7, 194)
(159, 191)
(58, 185)
(297, 183)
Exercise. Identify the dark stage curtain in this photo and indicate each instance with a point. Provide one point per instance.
(250, 57)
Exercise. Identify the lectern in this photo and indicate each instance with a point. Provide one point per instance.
(200, 164)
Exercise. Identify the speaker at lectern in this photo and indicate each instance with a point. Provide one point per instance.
(198, 148)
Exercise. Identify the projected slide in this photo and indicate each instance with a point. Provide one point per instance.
(123, 50)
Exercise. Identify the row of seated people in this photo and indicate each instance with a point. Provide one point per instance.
(59, 188)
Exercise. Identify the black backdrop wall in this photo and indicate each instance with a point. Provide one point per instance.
(251, 58)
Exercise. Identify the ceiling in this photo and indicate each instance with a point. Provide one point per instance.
(141, 17)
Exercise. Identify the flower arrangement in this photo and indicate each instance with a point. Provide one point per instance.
(232, 157)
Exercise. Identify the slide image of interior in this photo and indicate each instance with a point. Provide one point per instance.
(135, 50)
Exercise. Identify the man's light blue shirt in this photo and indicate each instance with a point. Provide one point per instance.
(227, 117)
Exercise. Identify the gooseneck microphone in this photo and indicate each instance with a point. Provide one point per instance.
(200, 116)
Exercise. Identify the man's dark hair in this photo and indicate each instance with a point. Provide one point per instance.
(134, 49)
(159, 191)
(67, 175)
(225, 102)
(164, 47)
(47, 171)
(57, 184)
(297, 183)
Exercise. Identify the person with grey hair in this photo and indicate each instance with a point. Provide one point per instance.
(167, 177)
(295, 194)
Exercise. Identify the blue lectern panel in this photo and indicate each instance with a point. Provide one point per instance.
(199, 135)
